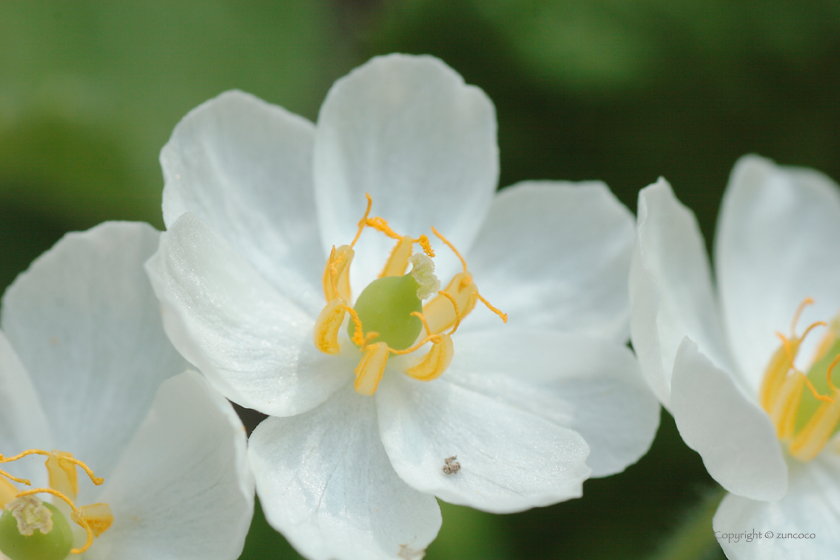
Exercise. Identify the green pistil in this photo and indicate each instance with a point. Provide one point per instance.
(21, 531)
(817, 375)
(385, 307)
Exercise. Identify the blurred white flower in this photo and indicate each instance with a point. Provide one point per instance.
(85, 368)
(742, 365)
(264, 242)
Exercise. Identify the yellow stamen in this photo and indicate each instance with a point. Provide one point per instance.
(831, 367)
(62, 473)
(451, 298)
(491, 308)
(7, 491)
(380, 224)
(805, 303)
(451, 246)
(336, 278)
(426, 246)
(64, 457)
(813, 436)
(325, 332)
(78, 516)
(440, 312)
(358, 338)
(423, 320)
(398, 260)
(97, 516)
(16, 479)
(436, 361)
(363, 221)
(370, 369)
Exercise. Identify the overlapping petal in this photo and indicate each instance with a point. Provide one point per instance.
(325, 482)
(800, 526)
(184, 488)
(245, 168)
(250, 341)
(555, 255)
(86, 325)
(510, 413)
(408, 131)
(671, 289)
(777, 244)
(733, 435)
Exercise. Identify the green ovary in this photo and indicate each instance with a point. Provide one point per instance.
(817, 375)
(55, 545)
(385, 307)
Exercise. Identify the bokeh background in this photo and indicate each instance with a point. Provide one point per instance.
(618, 90)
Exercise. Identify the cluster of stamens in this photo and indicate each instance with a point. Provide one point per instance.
(804, 420)
(390, 301)
(33, 517)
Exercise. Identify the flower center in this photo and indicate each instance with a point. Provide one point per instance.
(33, 530)
(389, 314)
(804, 419)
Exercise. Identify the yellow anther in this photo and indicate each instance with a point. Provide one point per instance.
(7, 491)
(325, 332)
(380, 224)
(358, 338)
(398, 260)
(440, 312)
(97, 516)
(436, 361)
(426, 246)
(370, 369)
(337, 273)
(62, 473)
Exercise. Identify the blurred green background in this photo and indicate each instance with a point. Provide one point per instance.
(619, 90)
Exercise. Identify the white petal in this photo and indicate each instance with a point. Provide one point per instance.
(325, 482)
(514, 447)
(777, 244)
(87, 326)
(183, 489)
(803, 523)
(252, 343)
(408, 131)
(555, 255)
(23, 424)
(245, 168)
(735, 438)
(671, 292)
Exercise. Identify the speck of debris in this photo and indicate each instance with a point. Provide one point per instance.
(450, 465)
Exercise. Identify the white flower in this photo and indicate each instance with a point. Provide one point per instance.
(713, 356)
(86, 369)
(256, 200)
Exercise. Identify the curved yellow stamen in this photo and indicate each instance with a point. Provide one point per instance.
(425, 245)
(327, 325)
(451, 246)
(61, 456)
(16, 479)
(436, 361)
(451, 298)
(805, 303)
(491, 308)
(831, 367)
(422, 320)
(370, 369)
(363, 221)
